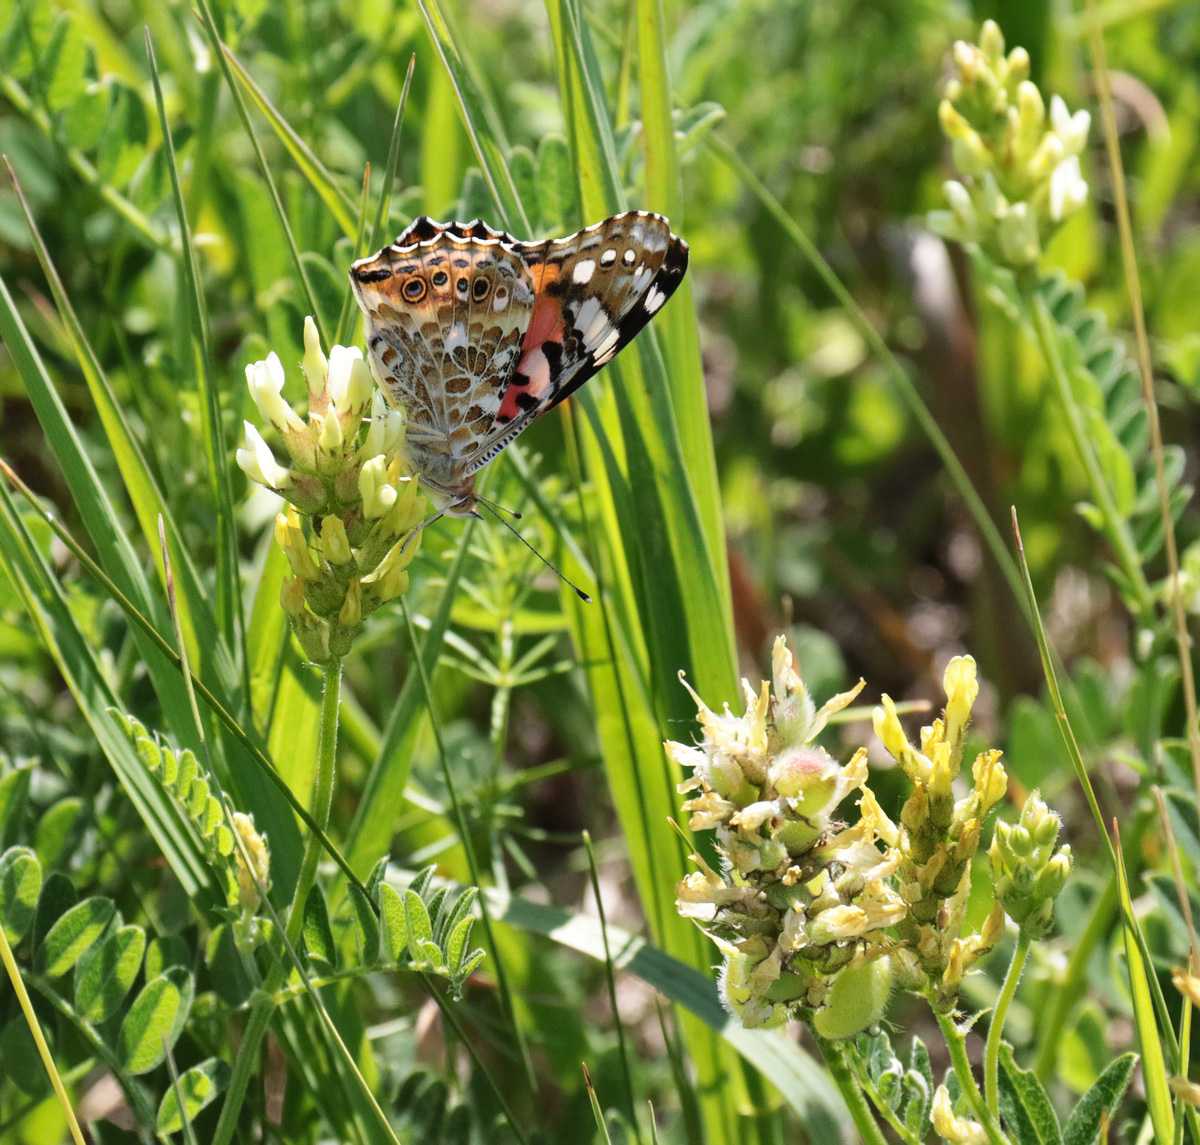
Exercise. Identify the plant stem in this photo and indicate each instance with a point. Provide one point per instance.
(956, 1044)
(1115, 525)
(322, 799)
(991, 1053)
(263, 1006)
(834, 1054)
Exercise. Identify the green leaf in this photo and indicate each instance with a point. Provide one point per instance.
(456, 946)
(20, 1062)
(226, 968)
(1097, 1106)
(395, 933)
(55, 830)
(14, 788)
(199, 1086)
(157, 1012)
(73, 933)
(318, 937)
(64, 63)
(367, 929)
(1027, 1112)
(20, 886)
(417, 924)
(123, 145)
(57, 897)
(106, 973)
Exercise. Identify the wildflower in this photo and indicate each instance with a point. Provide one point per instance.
(1021, 175)
(939, 835)
(1028, 869)
(348, 530)
(800, 896)
(949, 1126)
(260, 859)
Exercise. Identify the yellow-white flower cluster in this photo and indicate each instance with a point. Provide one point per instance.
(353, 507)
(938, 836)
(1021, 176)
(800, 895)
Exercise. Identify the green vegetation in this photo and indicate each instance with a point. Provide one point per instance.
(302, 846)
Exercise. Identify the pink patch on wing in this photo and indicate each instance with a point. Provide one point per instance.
(545, 325)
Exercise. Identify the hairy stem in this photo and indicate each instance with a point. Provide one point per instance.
(956, 1044)
(322, 799)
(834, 1054)
(991, 1054)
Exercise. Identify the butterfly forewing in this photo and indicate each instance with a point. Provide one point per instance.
(475, 334)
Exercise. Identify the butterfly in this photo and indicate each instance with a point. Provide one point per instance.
(475, 334)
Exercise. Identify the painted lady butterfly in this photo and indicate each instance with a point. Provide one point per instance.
(475, 334)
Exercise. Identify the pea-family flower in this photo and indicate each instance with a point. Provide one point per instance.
(938, 836)
(348, 530)
(1020, 170)
(949, 1126)
(800, 895)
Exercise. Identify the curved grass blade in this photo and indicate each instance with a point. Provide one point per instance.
(340, 205)
(148, 501)
(231, 622)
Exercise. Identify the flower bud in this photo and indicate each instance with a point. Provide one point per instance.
(332, 543)
(258, 463)
(315, 368)
(265, 381)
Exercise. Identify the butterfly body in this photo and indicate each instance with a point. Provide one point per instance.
(475, 334)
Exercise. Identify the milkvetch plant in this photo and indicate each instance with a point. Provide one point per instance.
(819, 918)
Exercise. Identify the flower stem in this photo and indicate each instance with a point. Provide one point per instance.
(956, 1044)
(834, 1054)
(991, 1053)
(263, 1006)
(322, 800)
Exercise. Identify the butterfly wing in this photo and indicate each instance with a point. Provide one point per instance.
(594, 291)
(446, 308)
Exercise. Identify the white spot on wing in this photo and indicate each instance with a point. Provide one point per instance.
(607, 346)
(608, 257)
(654, 299)
(457, 336)
(583, 270)
(629, 257)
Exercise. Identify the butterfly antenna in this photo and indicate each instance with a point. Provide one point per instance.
(492, 509)
(492, 505)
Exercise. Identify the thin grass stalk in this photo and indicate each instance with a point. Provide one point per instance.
(226, 718)
(35, 1028)
(464, 832)
(230, 618)
(1141, 341)
(610, 980)
(895, 372)
(210, 28)
(1151, 1034)
(1073, 752)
